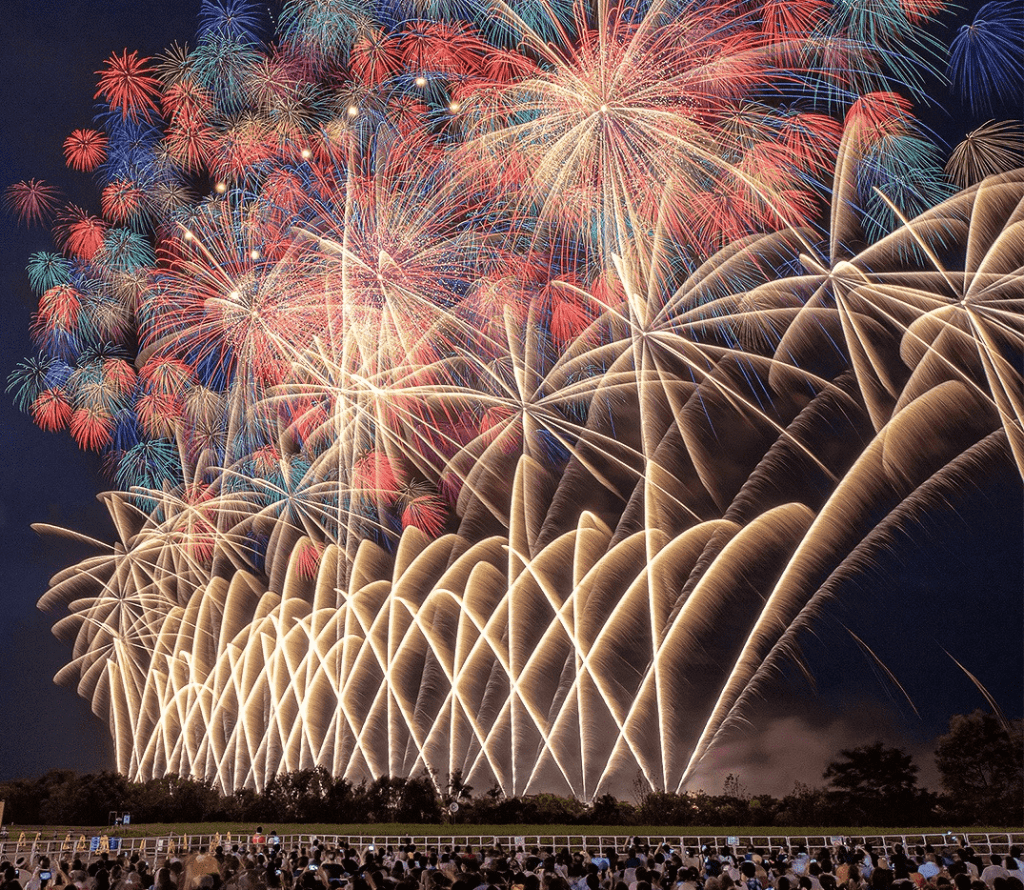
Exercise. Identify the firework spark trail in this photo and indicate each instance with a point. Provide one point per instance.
(462, 378)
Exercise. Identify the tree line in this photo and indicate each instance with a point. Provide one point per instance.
(980, 760)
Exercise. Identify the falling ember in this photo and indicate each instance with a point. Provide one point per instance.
(455, 404)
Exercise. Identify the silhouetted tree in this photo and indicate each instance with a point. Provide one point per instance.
(981, 762)
(608, 810)
(175, 798)
(877, 784)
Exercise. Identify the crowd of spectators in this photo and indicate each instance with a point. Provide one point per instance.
(263, 864)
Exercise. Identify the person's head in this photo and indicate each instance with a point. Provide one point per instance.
(748, 869)
(996, 859)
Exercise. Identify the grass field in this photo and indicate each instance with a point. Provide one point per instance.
(245, 829)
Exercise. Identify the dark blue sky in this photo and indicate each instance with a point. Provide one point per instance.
(960, 585)
(47, 83)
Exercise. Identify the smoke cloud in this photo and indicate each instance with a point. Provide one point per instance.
(777, 751)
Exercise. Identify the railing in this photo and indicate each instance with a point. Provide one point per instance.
(25, 844)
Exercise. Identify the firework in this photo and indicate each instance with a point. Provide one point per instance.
(985, 60)
(85, 149)
(33, 200)
(994, 147)
(127, 85)
(410, 344)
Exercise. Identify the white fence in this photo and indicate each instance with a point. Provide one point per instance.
(153, 847)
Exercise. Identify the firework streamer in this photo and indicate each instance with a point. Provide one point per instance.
(509, 387)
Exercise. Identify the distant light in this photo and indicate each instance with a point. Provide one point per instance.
(189, 236)
(235, 294)
(421, 81)
(454, 107)
(254, 254)
(603, 109)
(220, 188)
(353, 110)
(306, 153)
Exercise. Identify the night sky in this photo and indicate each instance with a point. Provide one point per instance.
(957, 586)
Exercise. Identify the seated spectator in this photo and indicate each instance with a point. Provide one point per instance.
(881, 877)
(749, 873)
(961, 856)
(994, 870)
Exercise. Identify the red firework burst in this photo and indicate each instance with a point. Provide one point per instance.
(165, 376)
(85, 150)
(375, 474)
(157, 413)
(443, 47)
(122, 201)
(60, 307)
(51, 410)
(881, 114)
(307, 555)
(243, 147)
(190, 143)
(119, 375)
(426, 511)
(375, 56)
(31, 200)
(219, 303)
(80, 233)
(91, 427)
(186, 100)
(127, 85)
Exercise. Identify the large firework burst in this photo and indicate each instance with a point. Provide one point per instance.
(459, 377)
